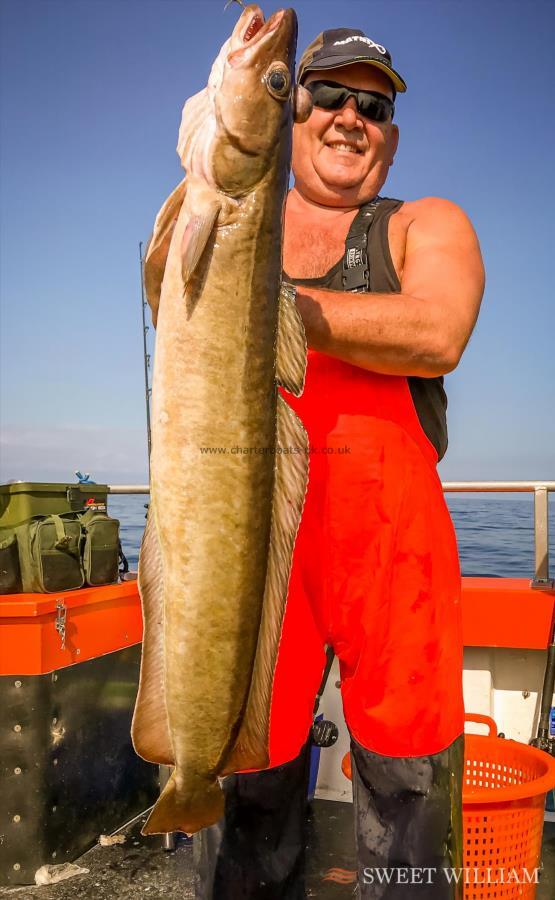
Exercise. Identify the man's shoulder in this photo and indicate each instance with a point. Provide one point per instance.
(430, 224)
(429, 213)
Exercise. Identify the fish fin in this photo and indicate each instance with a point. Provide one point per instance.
(150, 731)
(291, 344)
(176, 810)
(195, 238)
(157, 249)
(250, 750)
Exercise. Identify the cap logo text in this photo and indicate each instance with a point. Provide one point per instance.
(364, 40)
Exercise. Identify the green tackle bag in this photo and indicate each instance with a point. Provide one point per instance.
(47, 554)
(50, 553)
(10, 574)
(100, 547)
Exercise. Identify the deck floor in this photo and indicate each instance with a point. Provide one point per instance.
(141, 869)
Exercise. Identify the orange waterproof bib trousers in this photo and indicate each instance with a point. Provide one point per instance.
(375, 575)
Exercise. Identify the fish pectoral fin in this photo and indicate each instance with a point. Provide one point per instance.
(250, 750)
(291, 344)
(157, 249)
(150, 730)
(195, 237)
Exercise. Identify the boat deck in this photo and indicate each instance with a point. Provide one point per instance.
(141, 869)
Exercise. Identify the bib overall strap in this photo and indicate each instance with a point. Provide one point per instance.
(356, 271)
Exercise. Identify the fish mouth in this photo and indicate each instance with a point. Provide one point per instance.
(252, 26)
(254, 38)
(257, 27)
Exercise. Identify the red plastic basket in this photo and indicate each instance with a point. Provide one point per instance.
(504, 790)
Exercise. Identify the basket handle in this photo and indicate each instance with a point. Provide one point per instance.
(482, 720)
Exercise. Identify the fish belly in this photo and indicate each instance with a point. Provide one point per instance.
(212, 480)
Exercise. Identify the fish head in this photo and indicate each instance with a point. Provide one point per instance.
(236, 130)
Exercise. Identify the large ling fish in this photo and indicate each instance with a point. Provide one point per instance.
(225, 501)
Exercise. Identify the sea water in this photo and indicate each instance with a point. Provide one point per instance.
(495, 533)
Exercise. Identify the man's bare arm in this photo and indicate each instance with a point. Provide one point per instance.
(424, 329)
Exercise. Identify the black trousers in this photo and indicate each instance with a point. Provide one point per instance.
(408, 827)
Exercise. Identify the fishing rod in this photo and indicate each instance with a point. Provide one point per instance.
(146, 354)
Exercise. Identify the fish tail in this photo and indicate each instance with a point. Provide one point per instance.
(186, 810)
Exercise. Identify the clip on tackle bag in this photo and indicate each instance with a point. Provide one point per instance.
(63, 552)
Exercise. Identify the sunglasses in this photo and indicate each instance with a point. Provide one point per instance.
(370, 104)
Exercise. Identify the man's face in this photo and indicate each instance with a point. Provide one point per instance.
(339, 157)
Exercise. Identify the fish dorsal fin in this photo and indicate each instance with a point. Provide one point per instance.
(250, 750)
(195, 237)
(150, 730)
(291, 344)
(158, 246)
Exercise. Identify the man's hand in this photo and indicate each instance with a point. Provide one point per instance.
(424, 329)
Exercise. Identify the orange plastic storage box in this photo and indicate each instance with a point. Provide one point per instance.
(69, 669)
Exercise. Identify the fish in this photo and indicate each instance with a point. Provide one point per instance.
(229, 457)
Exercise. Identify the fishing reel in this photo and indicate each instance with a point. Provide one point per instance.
(324, 733)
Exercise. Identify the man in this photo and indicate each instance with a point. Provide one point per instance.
(389, 293)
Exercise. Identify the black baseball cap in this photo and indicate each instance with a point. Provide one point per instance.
(343, 46)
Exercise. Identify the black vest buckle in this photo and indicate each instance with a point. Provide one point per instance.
(356, 270)
(355, 275)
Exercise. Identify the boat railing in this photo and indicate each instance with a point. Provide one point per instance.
(540, 489)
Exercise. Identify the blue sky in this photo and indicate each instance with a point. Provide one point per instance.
(91, 99)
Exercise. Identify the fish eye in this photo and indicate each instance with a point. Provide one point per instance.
(278, 82)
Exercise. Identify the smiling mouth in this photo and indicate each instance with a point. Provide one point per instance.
(341, 146)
